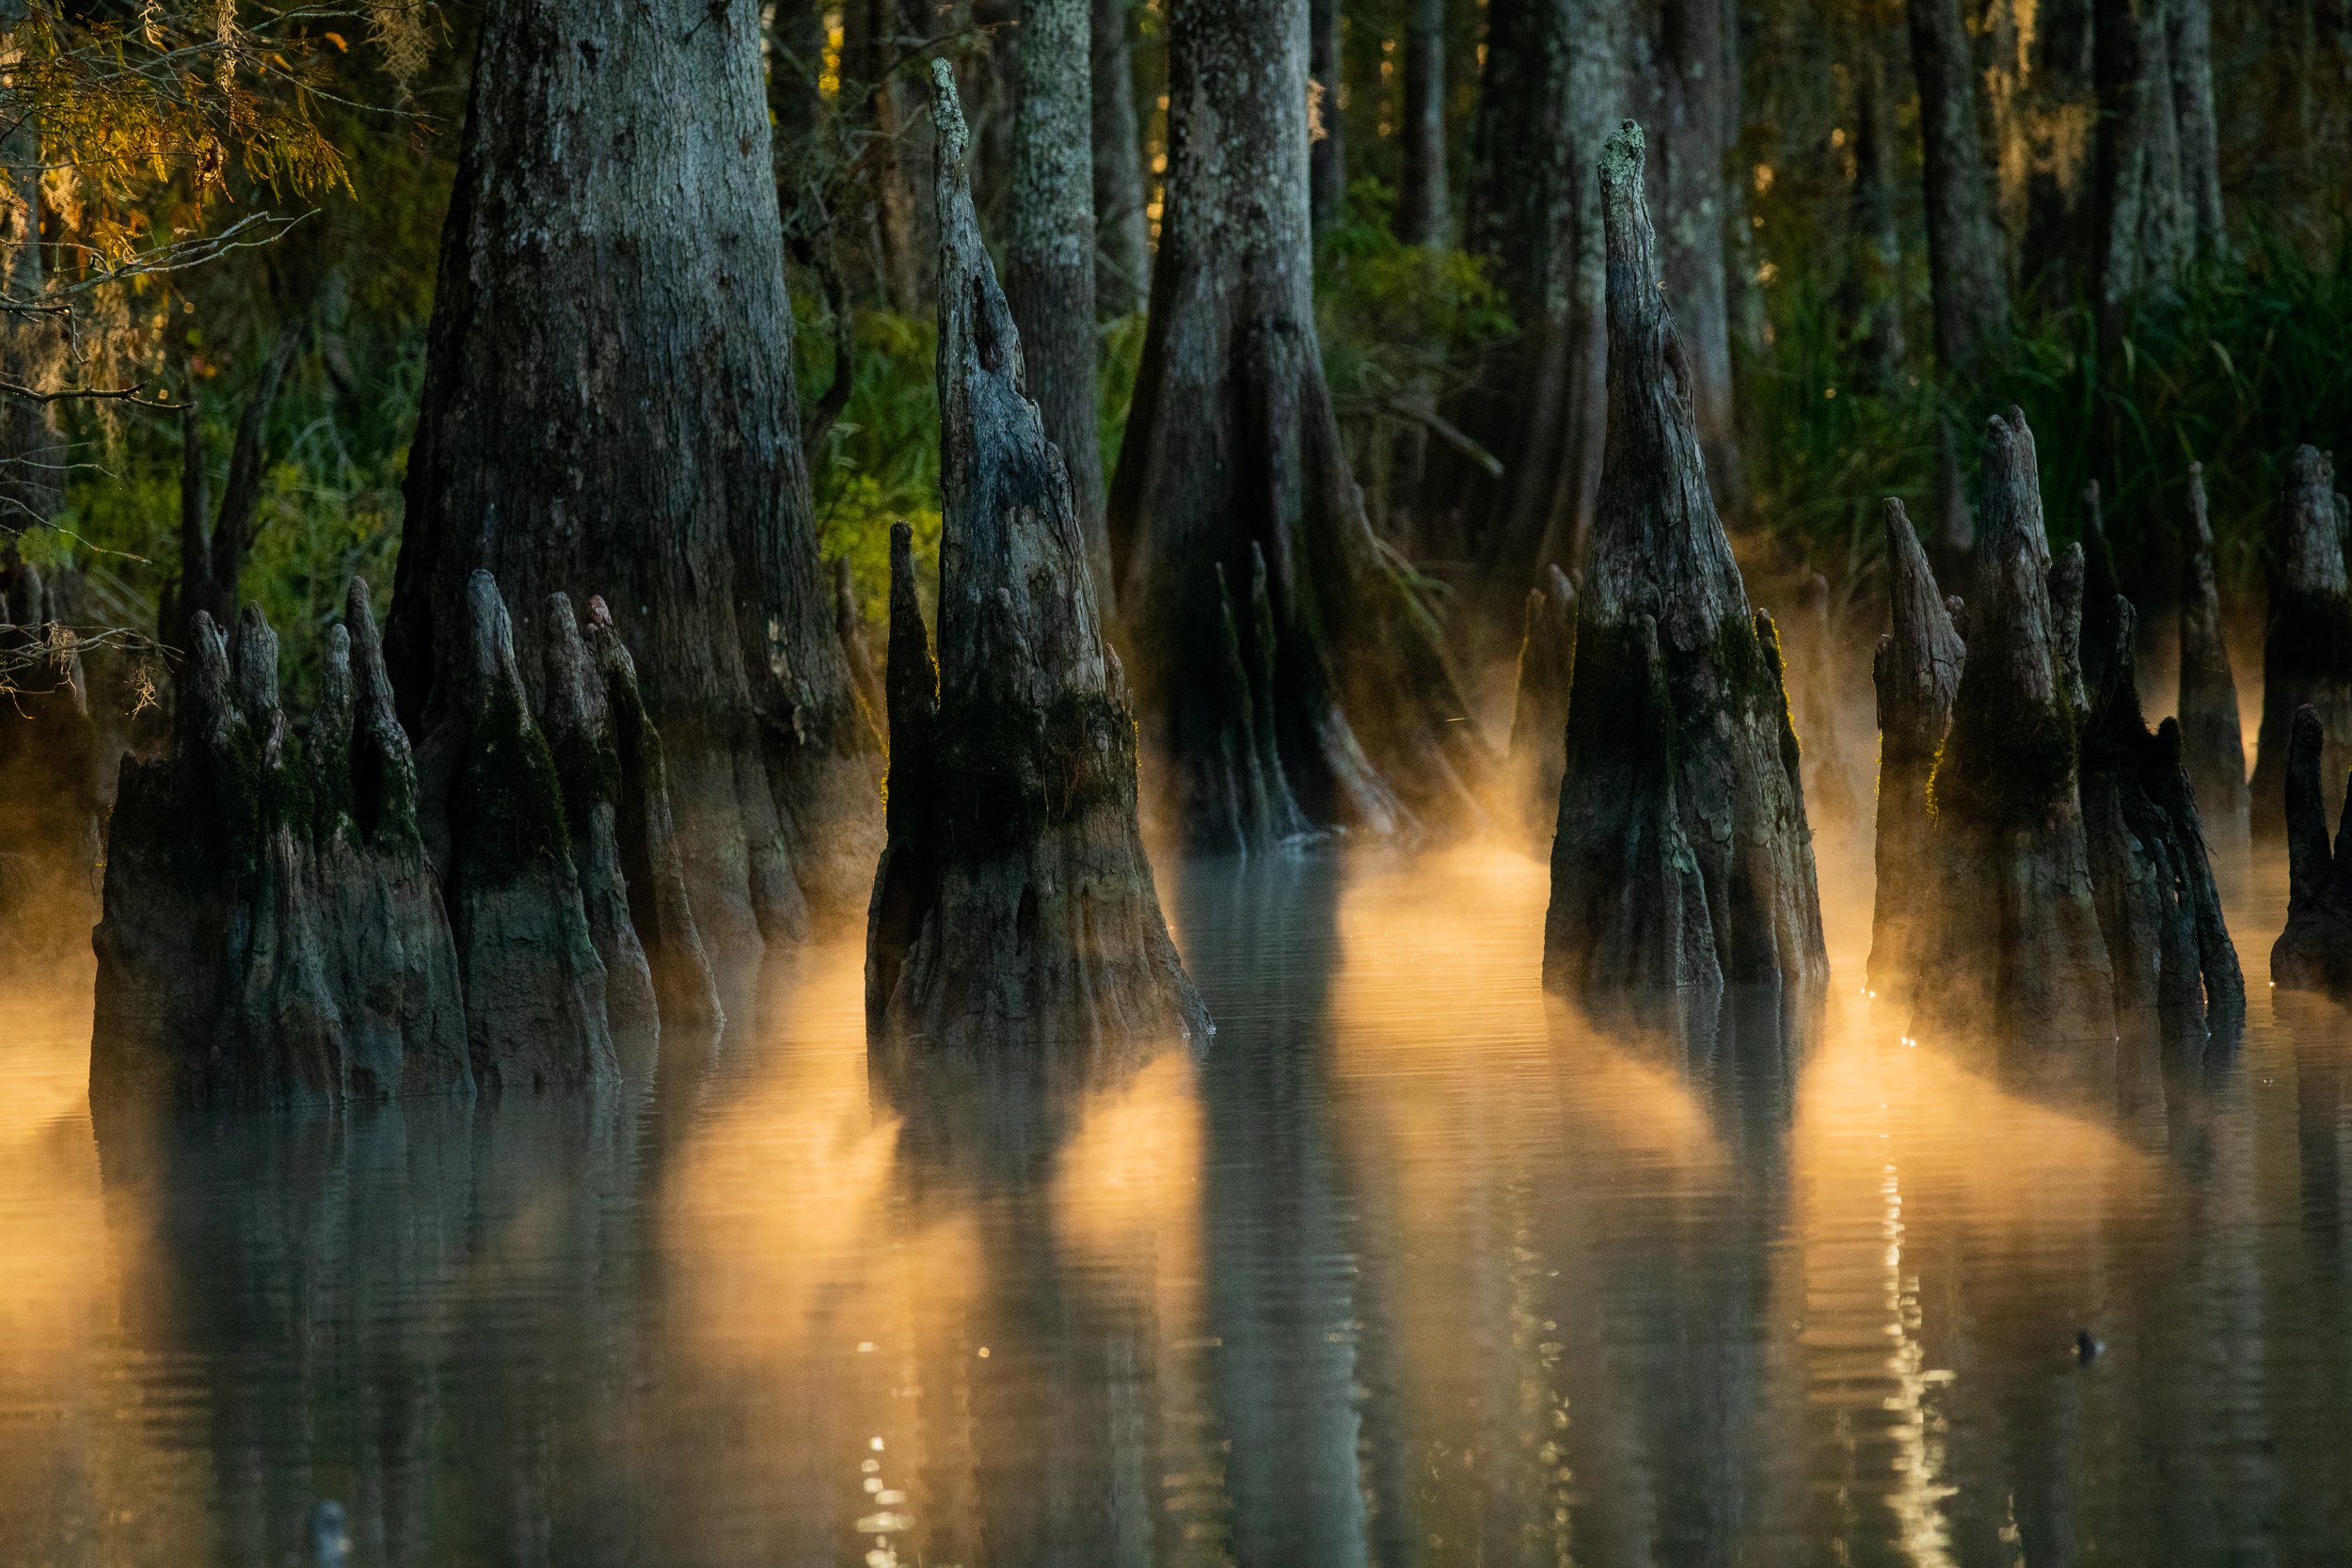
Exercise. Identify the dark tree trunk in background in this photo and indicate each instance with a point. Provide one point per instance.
(609, 409)
(1965, 263)
(872, 39)
(2139, 205)
(1122, 226)
(32, 452)
(1049, 266)
(1682, 855)
(1013, 903)
(1699, 100)
(2306, 649)
(1425, 210)
(2064, 107)
(2190, 41)
(1917, 674)
(1327, 157)
(1873, 290)
(2017, 949)
(1266, 622)
(2213, 741)
(1539, 707)
(2314, 952)
(1547, 96)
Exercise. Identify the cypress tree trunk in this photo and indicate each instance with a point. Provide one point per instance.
(2018, 950)
(1916, 673)
(2143, 224)
(1123, 228)
(2306, 649)
(1682, 855)
(1327, 157)
(1049, 270)
(2213, 743)
(1873, 290)
(1424, 211)
(2063, 112)
(1232, 474)
(1014, 902)
(2190, 45)
(608, 408)
(1698, 102)
(1965, 265)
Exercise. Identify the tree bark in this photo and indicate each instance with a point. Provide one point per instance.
(1917, 674)
(608, 408)
(2018, 950)
(1425, 210)
(2306, 649)
(2176, 971)
(1122, 228)
(1232, 454)
(2314, 951)
(2190, 46)
(1874, 288)
(2142, 221)
(1049, 268)
(1682, 855)
(2064, 114)
(871, 40)
(1698, 102)
(2213, 742)
(1014, 902)
(1965, 265)
(1539, 707)
(273, 931)
(1327, 156)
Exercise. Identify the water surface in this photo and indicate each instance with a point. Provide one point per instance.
(1410, 1267)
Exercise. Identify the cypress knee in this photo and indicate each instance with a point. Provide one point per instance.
(2018, 948)
(1917, 674)
(1014, 906)
(1539, 708)
(1707, 713)
(535, 986)
(2159, 912)
(2213, 743)
(2307, 648)
(2314, 952)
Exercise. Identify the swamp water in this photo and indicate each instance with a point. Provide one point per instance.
(1410, 1267)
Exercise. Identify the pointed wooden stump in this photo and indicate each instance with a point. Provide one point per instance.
(2307, 650)
(1013, 908)
(1917, 674)
(1679, 712)
(2213, 743)
(2018, 950)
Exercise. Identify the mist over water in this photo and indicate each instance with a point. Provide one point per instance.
(1412, 1265)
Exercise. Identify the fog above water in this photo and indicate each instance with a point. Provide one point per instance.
(1411, 1266)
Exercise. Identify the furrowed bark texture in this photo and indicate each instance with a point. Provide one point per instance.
(1123, 228)
(2018, 950)
(1424, 211)
(1829, 794)
(2314, 952)
(2190, 43)
(1233, 452)
(1917, 674)
(2143, 220)
(1013, 906)
(50, 810)
(1681, 768)
(1698, 106)
(535, 987)
(1548, 95)
(2307, 648)
(608, 408)
(273, 931)
(1539, 709)
(1049, 270)
(1966, 267)
(2176, 971)
(2213, 742)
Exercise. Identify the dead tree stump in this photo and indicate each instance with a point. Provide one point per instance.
(534, 987)
(272, 931)
(1539, 707)
(2213, 744)
(2306, 649)
(1829, 793)
(1014, 906)
(1917, 674)
(2017, 948)
(2175, 969)
(2314, 952)
(1679, 787)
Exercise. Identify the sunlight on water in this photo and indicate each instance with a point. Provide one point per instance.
(1412, 1265)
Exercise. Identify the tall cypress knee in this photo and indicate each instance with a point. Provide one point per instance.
(1681, 764)
(608, 408)
(2213, 742)
(1233, 450)
(2018, 948)
(2307, 648)
(1013, 903)
(1917, 674)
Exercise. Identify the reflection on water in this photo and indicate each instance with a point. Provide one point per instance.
(1409, 1266)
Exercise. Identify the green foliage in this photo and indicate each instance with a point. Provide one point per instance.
(880, 462)
(1393, 316)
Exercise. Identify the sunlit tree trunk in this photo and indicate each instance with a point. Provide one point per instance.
(609, 409)
(1964, 248)
(1122, 231)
